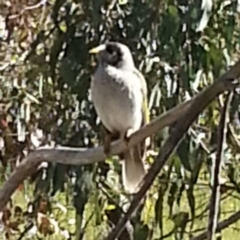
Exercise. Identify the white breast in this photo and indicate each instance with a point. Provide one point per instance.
(117, 98)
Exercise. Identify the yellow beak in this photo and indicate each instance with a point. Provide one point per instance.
(97, 49)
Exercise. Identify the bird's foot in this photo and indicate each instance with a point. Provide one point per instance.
(128, 135)
(108, 137)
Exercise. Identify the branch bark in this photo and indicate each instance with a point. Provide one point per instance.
(217, 164)
(80, 156)
(197, 105)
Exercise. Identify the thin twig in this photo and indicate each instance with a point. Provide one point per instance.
(221, 139)
(27, 228)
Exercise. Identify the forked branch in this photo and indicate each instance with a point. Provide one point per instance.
(197, 105)
(80, 156)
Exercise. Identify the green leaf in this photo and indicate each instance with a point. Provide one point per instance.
(110, 207)
(191, 201)
(122, 2)
(141, 232)
(171, 196)
(180, 222)
(82, 189)
(184, 153)
(173, 11)
(59, 178)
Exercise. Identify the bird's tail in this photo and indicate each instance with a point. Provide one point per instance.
(133, 169)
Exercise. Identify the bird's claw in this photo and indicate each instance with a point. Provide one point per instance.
(107, 139)
(128, 135)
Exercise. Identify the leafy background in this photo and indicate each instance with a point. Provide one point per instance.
(180, 46)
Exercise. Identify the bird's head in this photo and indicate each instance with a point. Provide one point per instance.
(114, 54)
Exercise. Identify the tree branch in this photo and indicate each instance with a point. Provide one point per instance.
(196, 107)
(216, 167)
(81, 156)
(78, 156)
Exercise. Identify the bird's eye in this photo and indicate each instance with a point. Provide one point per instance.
(110, 49)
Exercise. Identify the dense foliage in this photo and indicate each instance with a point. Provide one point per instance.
(180, 47)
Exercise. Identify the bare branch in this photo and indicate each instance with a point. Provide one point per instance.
(82, 156)
(197, 105)
(214, 201)
(79, 156)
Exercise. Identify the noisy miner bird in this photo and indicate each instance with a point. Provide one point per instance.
(119, 95)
